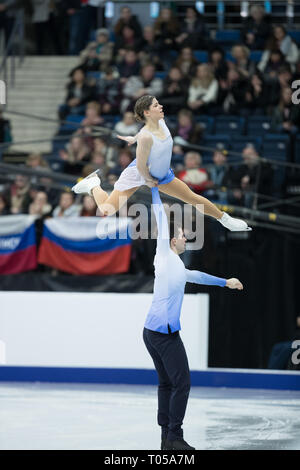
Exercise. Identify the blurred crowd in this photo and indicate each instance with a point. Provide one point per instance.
(120, 65)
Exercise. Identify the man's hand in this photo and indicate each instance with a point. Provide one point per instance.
(151, 182)
(234, 283)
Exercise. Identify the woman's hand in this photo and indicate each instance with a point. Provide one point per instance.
(151, 182)
(129, 139)
(234, 283)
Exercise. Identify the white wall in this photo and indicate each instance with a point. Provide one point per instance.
(62, 329)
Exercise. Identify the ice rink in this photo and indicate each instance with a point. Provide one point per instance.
(115, 417)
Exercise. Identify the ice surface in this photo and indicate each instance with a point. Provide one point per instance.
(111, 417)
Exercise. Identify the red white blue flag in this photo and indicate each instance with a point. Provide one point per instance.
(86, 245)
(17, 244)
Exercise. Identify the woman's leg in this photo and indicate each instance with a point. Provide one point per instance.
(180, 190)
(110, 204)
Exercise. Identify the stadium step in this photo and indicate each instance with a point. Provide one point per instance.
(39, 88)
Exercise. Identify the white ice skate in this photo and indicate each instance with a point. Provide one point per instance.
(234, 225)
(87, 184)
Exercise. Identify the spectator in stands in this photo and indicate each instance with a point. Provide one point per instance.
(124, 159)
(110, 152)
(128, 125)
(129, 66)
(145, 84)
(76, 153)
(257, 28)
(150, 48)
(285, 43)
(92, 115)
(275, 62)
(128, 40)
(127, 19)
(4, 204)
(186, 62)
(174, 91)
(193, 175)
(253, 176)
(45, 26)
(78, 94)
(89, 59)
(193, 31)
(187, 129)
(109, 91)
(36, 161)
(19, 197)
(5, 130)
(89, 207)
(257, 94)
(217, 172)
(166, 29)
(98, 161)
(98, 54)
(286, 116)
(232, 92)
(217, 62)
(244, 65)
(40, 206)
(203, 89)
(66, 206)
(75, 15)
(285, 49)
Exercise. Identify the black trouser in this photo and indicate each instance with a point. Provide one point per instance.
(171, 363)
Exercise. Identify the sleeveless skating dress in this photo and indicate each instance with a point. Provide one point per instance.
(158, 163)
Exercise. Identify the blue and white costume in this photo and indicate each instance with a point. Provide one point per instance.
(158, 163)
(170, 277)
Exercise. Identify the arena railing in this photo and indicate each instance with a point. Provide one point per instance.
(15, 48)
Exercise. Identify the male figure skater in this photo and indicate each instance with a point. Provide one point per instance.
(161, 329)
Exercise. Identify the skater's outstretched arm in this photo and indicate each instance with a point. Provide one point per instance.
(199, 277)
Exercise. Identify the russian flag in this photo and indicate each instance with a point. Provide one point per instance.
(86, 245)
(17, 244)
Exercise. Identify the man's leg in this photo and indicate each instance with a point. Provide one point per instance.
(176, 364)
(164, 387)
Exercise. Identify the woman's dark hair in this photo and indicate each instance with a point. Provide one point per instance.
(142, 104)
(71, 74)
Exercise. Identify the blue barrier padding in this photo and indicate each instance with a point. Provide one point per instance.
(206, 378)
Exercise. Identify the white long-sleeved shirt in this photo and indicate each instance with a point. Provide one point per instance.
(207, 95)
(170, 277)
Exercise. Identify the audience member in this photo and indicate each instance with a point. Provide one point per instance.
(40, 206)
(203, 89)
(193, 31)
(174, 91)
(66, 206)
(128, 125)
(144, 84)
(89, 207)
(193, 175)
(257, 28)
(78, 94)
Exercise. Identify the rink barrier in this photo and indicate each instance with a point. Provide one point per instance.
(213, 377)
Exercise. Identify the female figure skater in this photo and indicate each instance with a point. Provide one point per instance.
(152, 168)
